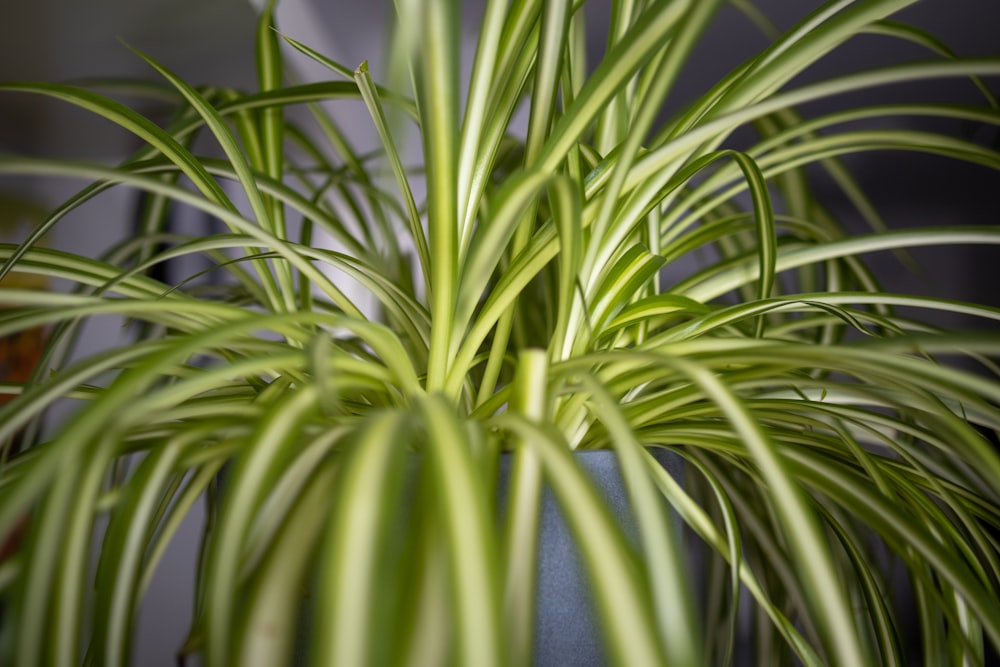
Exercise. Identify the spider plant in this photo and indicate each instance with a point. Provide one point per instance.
(606, 278)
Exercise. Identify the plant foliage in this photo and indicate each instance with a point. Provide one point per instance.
(606, 278)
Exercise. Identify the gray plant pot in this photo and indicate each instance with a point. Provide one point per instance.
(567, 633)
(566, 630)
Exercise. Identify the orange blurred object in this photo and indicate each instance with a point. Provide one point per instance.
(20, 352)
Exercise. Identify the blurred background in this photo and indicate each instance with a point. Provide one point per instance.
(211, 42)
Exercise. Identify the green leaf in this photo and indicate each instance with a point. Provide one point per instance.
(279, 286)
(368, 486)
(471, 549)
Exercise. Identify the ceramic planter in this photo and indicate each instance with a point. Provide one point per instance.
(566, 630)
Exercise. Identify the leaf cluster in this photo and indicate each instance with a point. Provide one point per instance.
(371, 338)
